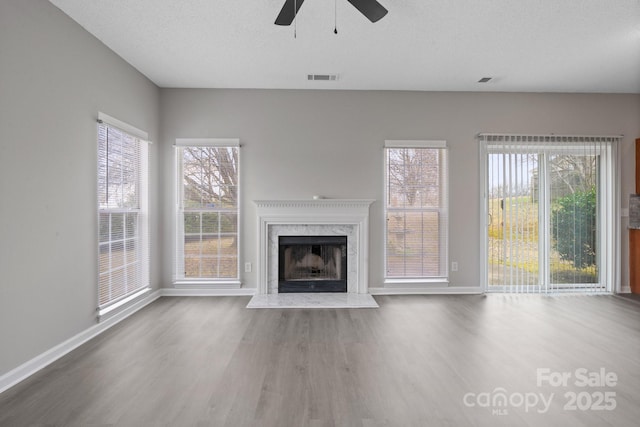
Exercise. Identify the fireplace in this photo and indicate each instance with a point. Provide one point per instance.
(312, 264)
(319, 218)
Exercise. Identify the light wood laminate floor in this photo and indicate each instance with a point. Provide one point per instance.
(415, 361)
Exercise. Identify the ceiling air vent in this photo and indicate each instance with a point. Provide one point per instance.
(324, 77)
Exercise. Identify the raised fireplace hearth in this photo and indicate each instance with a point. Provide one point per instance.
(312, 264)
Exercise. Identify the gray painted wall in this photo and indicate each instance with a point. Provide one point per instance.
(54, 78)
(299, 143)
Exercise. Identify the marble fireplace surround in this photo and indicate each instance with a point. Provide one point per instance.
(323, 217)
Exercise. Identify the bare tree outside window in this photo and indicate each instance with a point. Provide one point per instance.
(209, 213)
(210, 177)
(416, 212)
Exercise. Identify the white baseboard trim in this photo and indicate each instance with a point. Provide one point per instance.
(39, 362)
(450, 290)
(626, 289)
(206, 292)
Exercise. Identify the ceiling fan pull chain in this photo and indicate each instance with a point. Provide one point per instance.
(295, 19)
(335, 16)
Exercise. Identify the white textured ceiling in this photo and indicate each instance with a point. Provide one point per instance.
(430, 45)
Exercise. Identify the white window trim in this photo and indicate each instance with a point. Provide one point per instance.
(126, 127)
(417, 282)
(418, 143)
(120, 304)
(207, 142)
(207, 283)
(135, 296)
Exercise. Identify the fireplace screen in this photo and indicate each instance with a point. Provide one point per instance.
(312, 264)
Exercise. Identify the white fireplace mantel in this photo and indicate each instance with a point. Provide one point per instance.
(319, 216)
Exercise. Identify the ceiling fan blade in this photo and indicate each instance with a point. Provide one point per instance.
(286, 15)
(370, 8)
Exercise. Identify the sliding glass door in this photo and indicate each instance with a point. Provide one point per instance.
(549, 205)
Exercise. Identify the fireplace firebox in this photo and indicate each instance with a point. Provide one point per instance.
(312, 264)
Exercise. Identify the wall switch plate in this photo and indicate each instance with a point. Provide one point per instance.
(454, 266)
(247, 267)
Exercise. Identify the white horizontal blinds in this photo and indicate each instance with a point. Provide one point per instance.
(207, 215)
(416, 209)
(549, 202)
(123, 244)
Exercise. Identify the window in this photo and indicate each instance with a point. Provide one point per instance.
(549, 205)
(207, 211)
(416, 210)
(123, 237)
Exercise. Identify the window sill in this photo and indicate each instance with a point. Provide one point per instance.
(203, 284)
(417, 283)
(109, 310)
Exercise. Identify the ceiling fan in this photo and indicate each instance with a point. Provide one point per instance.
(373, 10)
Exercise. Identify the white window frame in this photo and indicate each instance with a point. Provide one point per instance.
(142, 266)
(178, 277)
(443, 279)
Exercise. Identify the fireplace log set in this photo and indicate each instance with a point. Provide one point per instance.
(317, 262)
(312, 264)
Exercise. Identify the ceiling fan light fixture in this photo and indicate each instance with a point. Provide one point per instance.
(371, 9)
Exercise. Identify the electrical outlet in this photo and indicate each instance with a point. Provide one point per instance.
(454, 266)
(247, 267)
